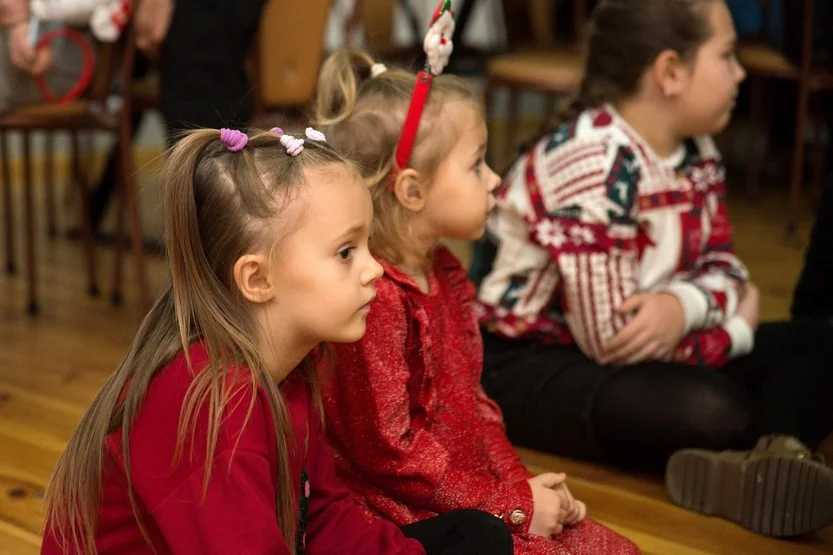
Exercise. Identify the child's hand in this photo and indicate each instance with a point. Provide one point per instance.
(153, 18)
(749, 307)
(547, 505)
(572, 510)
(652, 334)
(23, 55)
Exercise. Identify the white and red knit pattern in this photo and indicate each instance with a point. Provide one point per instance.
(591, 216)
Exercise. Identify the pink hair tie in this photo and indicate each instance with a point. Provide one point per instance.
(235, 140)
(276, 131)
(293, 145)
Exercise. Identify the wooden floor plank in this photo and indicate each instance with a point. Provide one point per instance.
(15, 541)
(21, 504)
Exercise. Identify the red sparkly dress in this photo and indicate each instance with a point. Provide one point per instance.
(413, 431)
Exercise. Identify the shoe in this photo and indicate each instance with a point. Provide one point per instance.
(777, 489)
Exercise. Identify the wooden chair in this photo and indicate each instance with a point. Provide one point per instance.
(762, 64)
(545, 66)
(88, 114)
(286, 64)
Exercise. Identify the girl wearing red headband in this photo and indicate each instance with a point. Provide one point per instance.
(414, 432)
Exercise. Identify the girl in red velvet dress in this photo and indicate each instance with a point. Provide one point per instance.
(413, 431)
(207, 437)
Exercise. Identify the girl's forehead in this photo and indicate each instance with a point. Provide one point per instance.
(720, 22)
(458, 118)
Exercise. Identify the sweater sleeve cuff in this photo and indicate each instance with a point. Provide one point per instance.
(695, 305)
(741, 335)
(513, 505)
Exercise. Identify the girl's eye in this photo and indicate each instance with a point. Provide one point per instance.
(346, 253)
(478, 165)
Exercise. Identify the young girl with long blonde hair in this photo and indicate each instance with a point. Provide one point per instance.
(207, 437)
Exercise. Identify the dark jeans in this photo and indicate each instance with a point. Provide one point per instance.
(556, 399)
(467, 532)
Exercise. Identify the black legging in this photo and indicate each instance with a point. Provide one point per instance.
(466, 532)
(555, 399)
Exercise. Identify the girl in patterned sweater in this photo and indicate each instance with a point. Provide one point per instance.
(618, 322)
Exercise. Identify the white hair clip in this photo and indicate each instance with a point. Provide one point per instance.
(315, 135)
(293, 145)
(377, 69)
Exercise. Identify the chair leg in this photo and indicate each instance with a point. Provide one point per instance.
(798, 160)
(550, 105)
(512, 124)
(8, 207)
(753, 173)
(86, 140)
(130, 199)
(49, 183)
(80, 180)
(118, 258)
(818, 151)
(29, 218)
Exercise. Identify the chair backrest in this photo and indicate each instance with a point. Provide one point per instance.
(289, 52)
(534, 22)
(113, 67)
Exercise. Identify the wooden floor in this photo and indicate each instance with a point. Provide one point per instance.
(51, 366)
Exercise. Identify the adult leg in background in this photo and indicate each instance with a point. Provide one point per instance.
(100, 197)
(203, 74)
(790, 377)
(466, 532)
(813, 296)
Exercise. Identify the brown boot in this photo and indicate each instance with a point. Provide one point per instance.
(779, 488)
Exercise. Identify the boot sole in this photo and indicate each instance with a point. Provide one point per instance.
(770, 495)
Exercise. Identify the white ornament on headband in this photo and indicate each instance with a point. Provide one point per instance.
(377, 69)
(438, 45)
(315, 135)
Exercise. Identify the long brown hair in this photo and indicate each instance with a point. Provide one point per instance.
(218, 205)
(624, 37)
(363, 117)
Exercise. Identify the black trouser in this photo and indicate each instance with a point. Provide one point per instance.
(555, 399)
(203, 79)
(467, 532)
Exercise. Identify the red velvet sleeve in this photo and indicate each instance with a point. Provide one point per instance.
(374, 426)
(504, 460)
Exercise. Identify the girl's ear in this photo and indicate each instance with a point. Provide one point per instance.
(251, 275)
(409, 190)
(670, 73)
